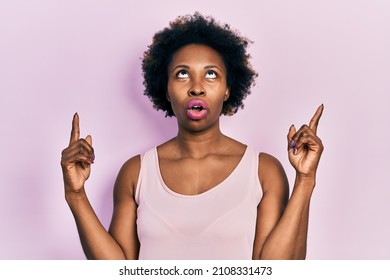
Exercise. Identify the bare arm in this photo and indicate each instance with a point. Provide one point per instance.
(123, 225)
(76, 162)
(97, 243)
(282, 233)
(274, 201)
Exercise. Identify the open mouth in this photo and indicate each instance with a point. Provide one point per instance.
(196, 109)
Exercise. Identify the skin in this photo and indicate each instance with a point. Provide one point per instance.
(189, 163)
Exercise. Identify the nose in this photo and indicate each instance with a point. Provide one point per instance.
(196, 89)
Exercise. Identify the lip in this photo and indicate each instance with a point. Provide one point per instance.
(195, 114)
(196, 102)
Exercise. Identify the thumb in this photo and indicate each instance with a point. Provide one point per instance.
(291, 144)
(89, 139)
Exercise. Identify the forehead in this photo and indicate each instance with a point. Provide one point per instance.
(197, 54)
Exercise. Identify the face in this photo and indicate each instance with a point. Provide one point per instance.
(197, 85)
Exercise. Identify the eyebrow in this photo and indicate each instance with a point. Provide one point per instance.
(187, 67)
(181, 66)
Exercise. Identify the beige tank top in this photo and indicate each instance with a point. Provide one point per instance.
(217, 224)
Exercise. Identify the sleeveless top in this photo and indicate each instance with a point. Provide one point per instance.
(217, 224)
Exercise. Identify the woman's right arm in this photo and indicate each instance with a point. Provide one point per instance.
(97, 243)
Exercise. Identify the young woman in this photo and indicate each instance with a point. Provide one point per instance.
(200, 195)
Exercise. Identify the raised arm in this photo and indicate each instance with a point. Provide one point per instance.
(76, 162)
(123, 224)
(282, 226)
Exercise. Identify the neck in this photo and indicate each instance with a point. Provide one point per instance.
(199, 144)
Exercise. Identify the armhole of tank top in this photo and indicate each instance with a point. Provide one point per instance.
(137, 188)
(260, 191)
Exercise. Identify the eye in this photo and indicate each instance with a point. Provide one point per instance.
(182, 74)
(211, 74)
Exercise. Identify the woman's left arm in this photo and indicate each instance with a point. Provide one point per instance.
(282, 227)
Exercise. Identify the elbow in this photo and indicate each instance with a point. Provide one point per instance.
(278, 254)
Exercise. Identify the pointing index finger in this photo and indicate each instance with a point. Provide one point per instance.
(316, 118)
(75, 133)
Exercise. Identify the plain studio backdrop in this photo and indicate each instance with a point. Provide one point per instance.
(62, 57)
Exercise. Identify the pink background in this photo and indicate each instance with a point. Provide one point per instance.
(62, 57)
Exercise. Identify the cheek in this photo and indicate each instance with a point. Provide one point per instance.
(174, 99)
(171, 90)
(176, 92)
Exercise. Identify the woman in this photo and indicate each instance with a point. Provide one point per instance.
(200, 195)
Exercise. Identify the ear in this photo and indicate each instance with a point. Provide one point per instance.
(227, 94)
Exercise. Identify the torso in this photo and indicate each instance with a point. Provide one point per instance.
(190, 176)
(190, 221)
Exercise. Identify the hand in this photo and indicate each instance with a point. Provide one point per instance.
(76, 159)
(304, 146)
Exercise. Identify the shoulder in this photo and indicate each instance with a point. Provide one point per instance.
(127, 178)
(131, 167)
(269, 162)
(271, 174)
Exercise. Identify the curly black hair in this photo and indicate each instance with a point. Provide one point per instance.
(197, 29)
